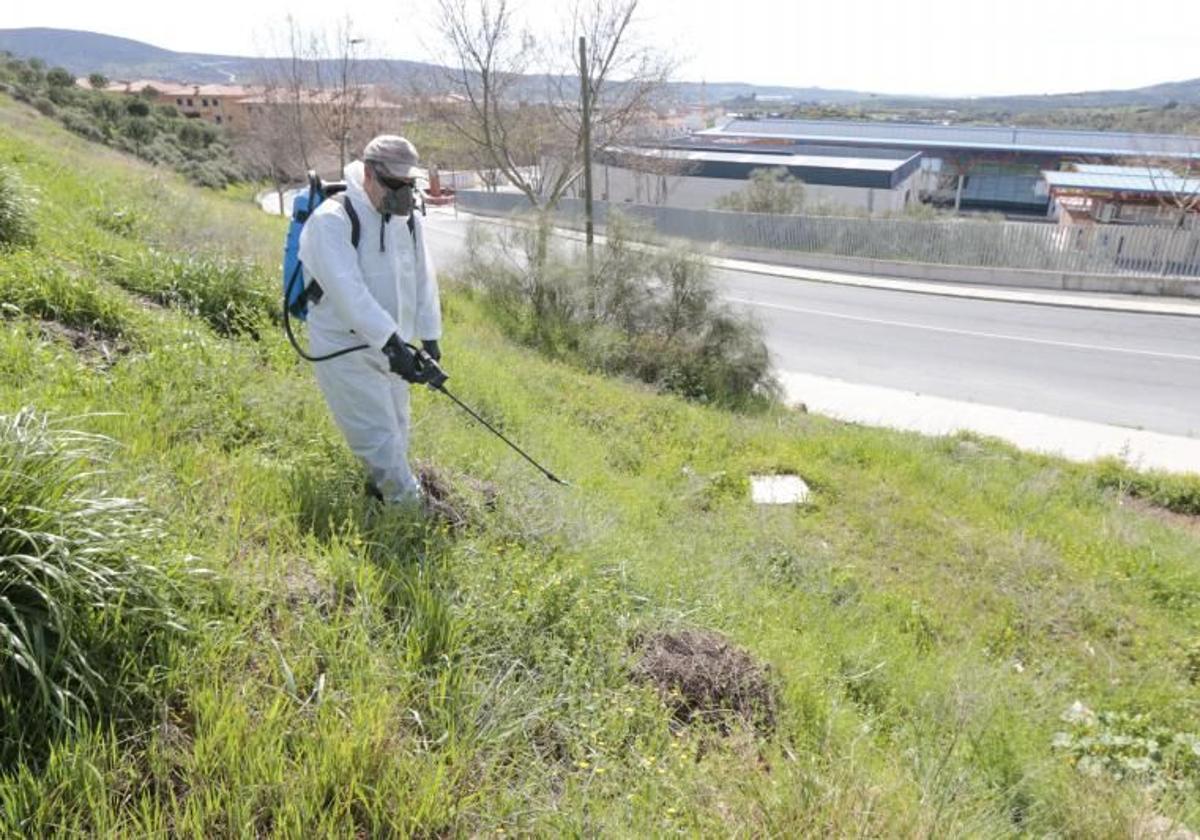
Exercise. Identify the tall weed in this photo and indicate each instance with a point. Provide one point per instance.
(16, 211)
(84, 618)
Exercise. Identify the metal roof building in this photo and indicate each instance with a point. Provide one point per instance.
(1124, 181)
(966, 138)
(829, 166)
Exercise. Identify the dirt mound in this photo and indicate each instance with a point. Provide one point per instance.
(99, 347)
(703, 676)
(459, 501)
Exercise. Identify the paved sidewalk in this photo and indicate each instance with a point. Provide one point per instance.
(1076, 440)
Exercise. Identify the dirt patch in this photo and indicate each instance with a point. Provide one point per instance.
(93, 345)
(302, 587)
(458, 501)
(1186, 521)
(704, 677)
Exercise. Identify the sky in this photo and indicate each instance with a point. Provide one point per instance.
(933, 47)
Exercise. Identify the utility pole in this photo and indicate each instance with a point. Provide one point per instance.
(586, 95)
(345, 108)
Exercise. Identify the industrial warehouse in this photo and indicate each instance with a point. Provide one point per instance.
(883, 167)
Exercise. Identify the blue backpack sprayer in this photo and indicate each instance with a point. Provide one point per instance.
(299, 291)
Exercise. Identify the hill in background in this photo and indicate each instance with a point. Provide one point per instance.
(122, 58)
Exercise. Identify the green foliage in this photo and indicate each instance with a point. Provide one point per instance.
(82, 615)
(16, 211)
(45, 107)
(231, 295)
(59, 77)
(770, 190)
(651, 313)
(355, 670)
(130, 123)
(1129, 746)
(1174, 492)
(137, 107)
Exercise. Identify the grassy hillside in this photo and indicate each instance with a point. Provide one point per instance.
(928, 624)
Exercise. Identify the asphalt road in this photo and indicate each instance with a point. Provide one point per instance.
(1133, 370)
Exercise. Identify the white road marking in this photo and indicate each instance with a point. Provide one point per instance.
(973, 333)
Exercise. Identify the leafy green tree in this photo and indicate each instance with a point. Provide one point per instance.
(60, 77)
(768, 191)
(137, 108)
(140, 131)
(98, 81)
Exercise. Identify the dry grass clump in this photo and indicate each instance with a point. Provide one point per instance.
(703, 676)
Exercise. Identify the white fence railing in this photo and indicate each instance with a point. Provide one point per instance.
(1101, 249)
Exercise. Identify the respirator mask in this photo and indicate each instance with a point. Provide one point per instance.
(398, 199)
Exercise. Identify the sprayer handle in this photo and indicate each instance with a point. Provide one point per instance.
(429, 371)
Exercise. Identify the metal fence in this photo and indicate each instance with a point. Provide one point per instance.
(1101, 249)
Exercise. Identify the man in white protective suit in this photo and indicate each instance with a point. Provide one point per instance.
(382, 293)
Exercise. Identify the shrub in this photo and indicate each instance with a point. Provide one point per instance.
(81, 123)
(45, 106)
(130, 124)
(768, 191)
(16, 211)
(652, 313)
(82, 618)
(60, 77)
(137, 107)
(1177, 493)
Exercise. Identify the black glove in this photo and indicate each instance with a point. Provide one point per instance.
(401, 359)
(431, 347)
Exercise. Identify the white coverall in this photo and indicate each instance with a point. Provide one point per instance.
(387, 287)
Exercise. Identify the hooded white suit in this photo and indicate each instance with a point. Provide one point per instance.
(388, 286)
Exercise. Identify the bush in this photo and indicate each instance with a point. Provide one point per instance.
(768, 191)
(60, 77)
(82, 618)
(1177, 493)
(130, 124)
(231, 295)
(80, 123)
(652, 313)
(16, 211)
(137, 107)
(45, 106)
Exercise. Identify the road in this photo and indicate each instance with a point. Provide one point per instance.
(1121, 369)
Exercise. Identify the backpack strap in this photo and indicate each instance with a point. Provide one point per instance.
(355, 226)
(313, 292)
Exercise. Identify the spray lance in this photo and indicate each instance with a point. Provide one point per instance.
(430, 373)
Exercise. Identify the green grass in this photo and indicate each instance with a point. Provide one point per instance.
(927, 621)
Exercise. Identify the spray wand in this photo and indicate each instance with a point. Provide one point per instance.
(431, 374)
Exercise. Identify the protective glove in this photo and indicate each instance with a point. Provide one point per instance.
(402, 360)
(431, 347)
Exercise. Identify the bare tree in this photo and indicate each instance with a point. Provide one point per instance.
(1176, 185)
(516, 97)
(269, 141)
(529, 127)
(339, 92)
(318, 83)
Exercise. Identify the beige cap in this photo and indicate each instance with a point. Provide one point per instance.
(395, 155)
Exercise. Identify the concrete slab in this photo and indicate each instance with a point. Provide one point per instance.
(778, 490)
